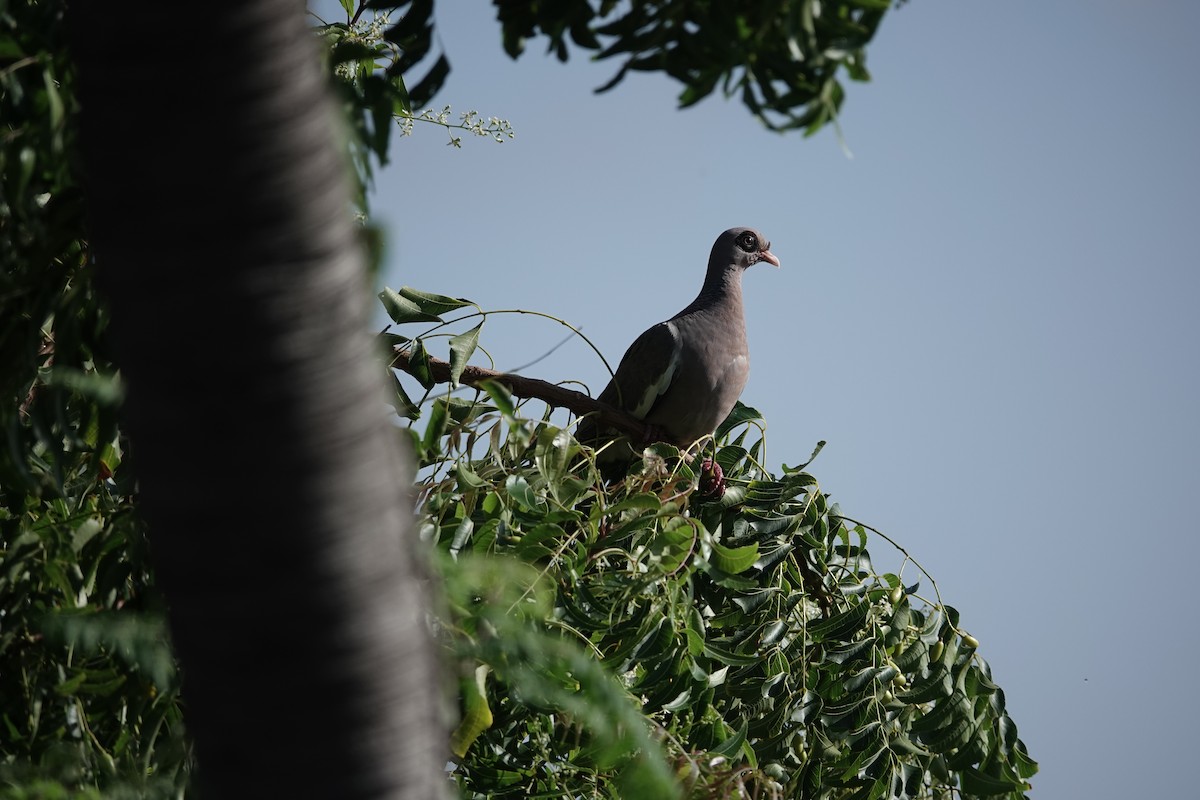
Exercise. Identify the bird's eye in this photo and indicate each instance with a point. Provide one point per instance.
(748, 242)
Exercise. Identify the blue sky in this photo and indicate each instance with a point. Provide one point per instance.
(988, 312)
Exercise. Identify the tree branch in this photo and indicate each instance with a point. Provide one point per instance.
(549, 393)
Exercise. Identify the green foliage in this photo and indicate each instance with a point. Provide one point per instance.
(781, 57)
(50, 322)
(90, 697)
(746, 637)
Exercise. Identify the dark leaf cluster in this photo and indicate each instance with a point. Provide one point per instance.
(782, 58)
(89, 690)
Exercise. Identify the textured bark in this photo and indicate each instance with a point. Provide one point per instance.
(275, 496)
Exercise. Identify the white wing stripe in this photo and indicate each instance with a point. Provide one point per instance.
(656, 389)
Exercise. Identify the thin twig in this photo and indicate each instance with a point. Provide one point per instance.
(549, 393)
(898, 546)
(546, 354)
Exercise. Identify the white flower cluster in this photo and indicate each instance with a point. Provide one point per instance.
(470, 121)
(493, 127)
(368, 32)
(371, 30)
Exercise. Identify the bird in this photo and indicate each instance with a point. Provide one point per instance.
(684, 375)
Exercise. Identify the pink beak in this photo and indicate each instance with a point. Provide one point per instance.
(769, 257)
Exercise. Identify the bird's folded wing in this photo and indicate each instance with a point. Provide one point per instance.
(646, 371)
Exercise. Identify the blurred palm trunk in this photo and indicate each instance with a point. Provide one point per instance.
(269, 477)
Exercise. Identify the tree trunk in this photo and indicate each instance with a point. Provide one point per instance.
(269, 476)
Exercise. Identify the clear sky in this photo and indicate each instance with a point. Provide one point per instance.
(988, 312)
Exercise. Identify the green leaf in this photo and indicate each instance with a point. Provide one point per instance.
(914, 658)
(769, 495)
(731, 746)
(695, 633)
(644, 501)
(430, 303)
(402, 310)
(461, 348)
(679, 703)
(404, 405)
(418, 365)
(438, 418)
(462, 535)
(466, 411)
(812, 456)
(52, 97)
(810, 707)
(733, 559)
(905, 746)
(936, 685)
(694, 94)
(727, 656)
(865, 676)
(467, 478)
(540, 542)
(655, 675)
(749, 603)
(522, 493)
(392, 340)
(849, 652)
(501, 396)
(970, 754)
(428, 86)
(570, 490)
(734, 495)
(86, 531)
(741, 413)
(1026, 767)
(953, 736)
(840, 627)
(552, 454)
(943, 715)
(477, 715)
(976, 784)
(657, 642)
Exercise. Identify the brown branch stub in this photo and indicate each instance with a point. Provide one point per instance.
(549, 393)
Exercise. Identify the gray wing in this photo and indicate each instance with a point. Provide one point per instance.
(644, 374)
(646, 371)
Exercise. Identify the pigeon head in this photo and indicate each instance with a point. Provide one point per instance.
(742, 247)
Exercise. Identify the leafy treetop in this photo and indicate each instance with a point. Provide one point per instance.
(765, 652)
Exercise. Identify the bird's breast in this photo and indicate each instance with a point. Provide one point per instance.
(705, 388)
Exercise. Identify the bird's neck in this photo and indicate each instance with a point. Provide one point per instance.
(721, 285)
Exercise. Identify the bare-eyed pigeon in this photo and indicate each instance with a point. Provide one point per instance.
(683, 376)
